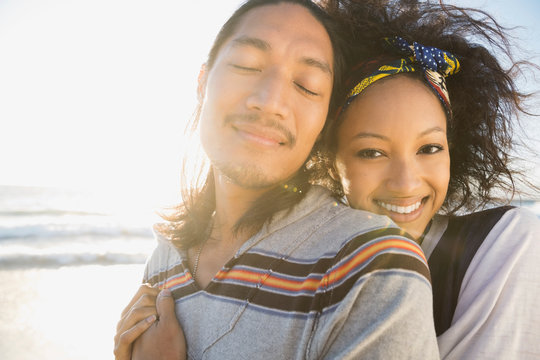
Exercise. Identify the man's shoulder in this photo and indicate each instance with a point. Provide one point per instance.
(321, 209)
(349, 241)
(164, 258)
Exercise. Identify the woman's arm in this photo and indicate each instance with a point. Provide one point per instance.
(497, 314)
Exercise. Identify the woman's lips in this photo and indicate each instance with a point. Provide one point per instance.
(404, 212)
(400, 209)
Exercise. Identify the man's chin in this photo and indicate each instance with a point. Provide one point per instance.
(248, 177)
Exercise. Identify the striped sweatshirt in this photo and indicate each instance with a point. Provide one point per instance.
(322, 281)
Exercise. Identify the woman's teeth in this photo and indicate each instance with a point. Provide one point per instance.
(400, 209)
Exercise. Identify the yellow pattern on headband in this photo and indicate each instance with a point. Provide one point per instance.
(435, 64)
(395, 67)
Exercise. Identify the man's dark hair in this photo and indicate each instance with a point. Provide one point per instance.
(188, 223)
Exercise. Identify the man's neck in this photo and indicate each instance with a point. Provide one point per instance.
(232, 202)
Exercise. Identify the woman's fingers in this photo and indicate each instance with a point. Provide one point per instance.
(123, 342)
(141, 306)
(136, 314)
(144, 289)
(137, 317)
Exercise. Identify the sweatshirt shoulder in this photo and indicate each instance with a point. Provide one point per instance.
(362, 243)
(163, 260)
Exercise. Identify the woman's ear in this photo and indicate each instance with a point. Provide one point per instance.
(332, 171)
(201, 88)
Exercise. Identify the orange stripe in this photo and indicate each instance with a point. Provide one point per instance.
(313, 284)
(344, 269)
(248, 276)
(176, 281)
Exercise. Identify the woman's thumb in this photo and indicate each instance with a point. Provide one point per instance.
(165, 306)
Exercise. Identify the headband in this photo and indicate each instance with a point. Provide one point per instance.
(435, 64)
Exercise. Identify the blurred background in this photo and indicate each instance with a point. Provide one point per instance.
(94, 96)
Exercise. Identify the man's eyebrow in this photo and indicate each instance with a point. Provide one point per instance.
(319, 64)
(265, 46)
(251, 41)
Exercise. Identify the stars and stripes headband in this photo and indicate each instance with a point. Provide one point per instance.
(434, 63)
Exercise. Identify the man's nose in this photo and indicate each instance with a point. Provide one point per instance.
(270, 94)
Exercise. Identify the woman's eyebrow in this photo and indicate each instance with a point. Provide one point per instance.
(364, 135)
(432, 130)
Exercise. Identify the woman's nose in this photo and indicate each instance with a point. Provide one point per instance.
(404, 177)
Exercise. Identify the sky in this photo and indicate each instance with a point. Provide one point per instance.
(96, 93)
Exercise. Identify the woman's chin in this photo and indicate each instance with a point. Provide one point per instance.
(414, 231)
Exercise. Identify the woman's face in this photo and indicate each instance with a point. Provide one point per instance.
(392, 155)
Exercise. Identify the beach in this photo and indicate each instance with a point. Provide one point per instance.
(65, 313)
(70, 261)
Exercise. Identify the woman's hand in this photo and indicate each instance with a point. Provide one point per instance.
(164, 339)
(136, 318)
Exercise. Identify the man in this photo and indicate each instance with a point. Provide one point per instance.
(260, 263)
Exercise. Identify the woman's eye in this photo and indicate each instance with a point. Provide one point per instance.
(430, 149)
(306, 90)
(369, 154)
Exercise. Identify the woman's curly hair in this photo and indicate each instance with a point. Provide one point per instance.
(484, 95)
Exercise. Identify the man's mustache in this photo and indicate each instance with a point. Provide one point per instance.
(265, 122)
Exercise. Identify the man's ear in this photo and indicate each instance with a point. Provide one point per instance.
(201, 88)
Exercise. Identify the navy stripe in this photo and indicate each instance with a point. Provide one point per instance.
(303, 301)
(386, 261)
(301, 268)
(322, 298)
(165, 275)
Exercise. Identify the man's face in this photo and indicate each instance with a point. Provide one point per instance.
(265, 100)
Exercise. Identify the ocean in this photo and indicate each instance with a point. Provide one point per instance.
(50, 228)
(70, 260)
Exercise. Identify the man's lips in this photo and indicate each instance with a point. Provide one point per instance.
(261, 134)
(264, 130)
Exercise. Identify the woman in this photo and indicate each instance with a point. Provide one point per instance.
(425, 132)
